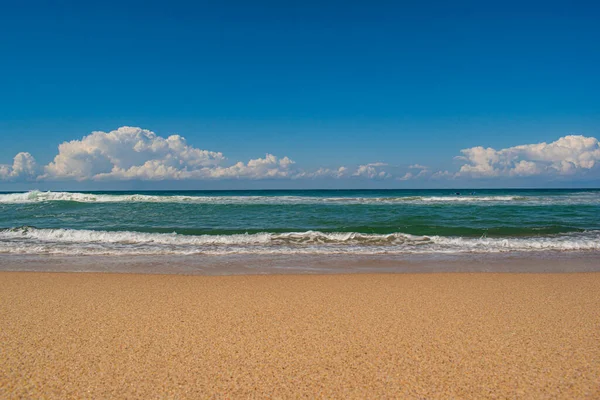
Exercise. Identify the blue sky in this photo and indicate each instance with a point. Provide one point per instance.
(327, 84)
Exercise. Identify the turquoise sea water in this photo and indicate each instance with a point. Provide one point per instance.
(300, 222)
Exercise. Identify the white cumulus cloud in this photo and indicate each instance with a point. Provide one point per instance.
(128, 153)
(566, 156)
(260, 168)
(417, 166)
(337, 173)
(407, 176)
(372, 171)
(131, 153)
(24, 167)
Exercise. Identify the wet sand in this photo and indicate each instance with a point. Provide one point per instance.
(458, 335)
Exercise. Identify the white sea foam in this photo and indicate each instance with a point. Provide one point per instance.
(86, 242)
(40, 197)
(309, 237)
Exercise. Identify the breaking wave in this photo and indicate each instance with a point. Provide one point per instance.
(40, 197)
(28, 240)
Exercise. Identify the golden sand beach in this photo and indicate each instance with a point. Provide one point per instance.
(481, 335)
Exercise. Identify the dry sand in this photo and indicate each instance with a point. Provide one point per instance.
(337, 336)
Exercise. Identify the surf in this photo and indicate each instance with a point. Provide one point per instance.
(29, 240)
(36, 196)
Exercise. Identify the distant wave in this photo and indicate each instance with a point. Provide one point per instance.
(40, 197)
(27, 240)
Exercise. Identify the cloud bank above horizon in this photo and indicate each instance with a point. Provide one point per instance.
(132, 153)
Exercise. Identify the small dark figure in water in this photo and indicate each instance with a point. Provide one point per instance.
(458, 193)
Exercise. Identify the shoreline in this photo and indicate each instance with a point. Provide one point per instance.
(535, 262)
(436, 335)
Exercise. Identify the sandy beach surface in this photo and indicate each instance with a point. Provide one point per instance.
(457, 335)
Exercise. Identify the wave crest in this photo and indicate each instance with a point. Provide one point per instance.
(27, 240)
(41, 197)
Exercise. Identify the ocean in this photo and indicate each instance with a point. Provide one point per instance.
(300, 222)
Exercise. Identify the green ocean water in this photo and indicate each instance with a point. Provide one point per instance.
(300, 222)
